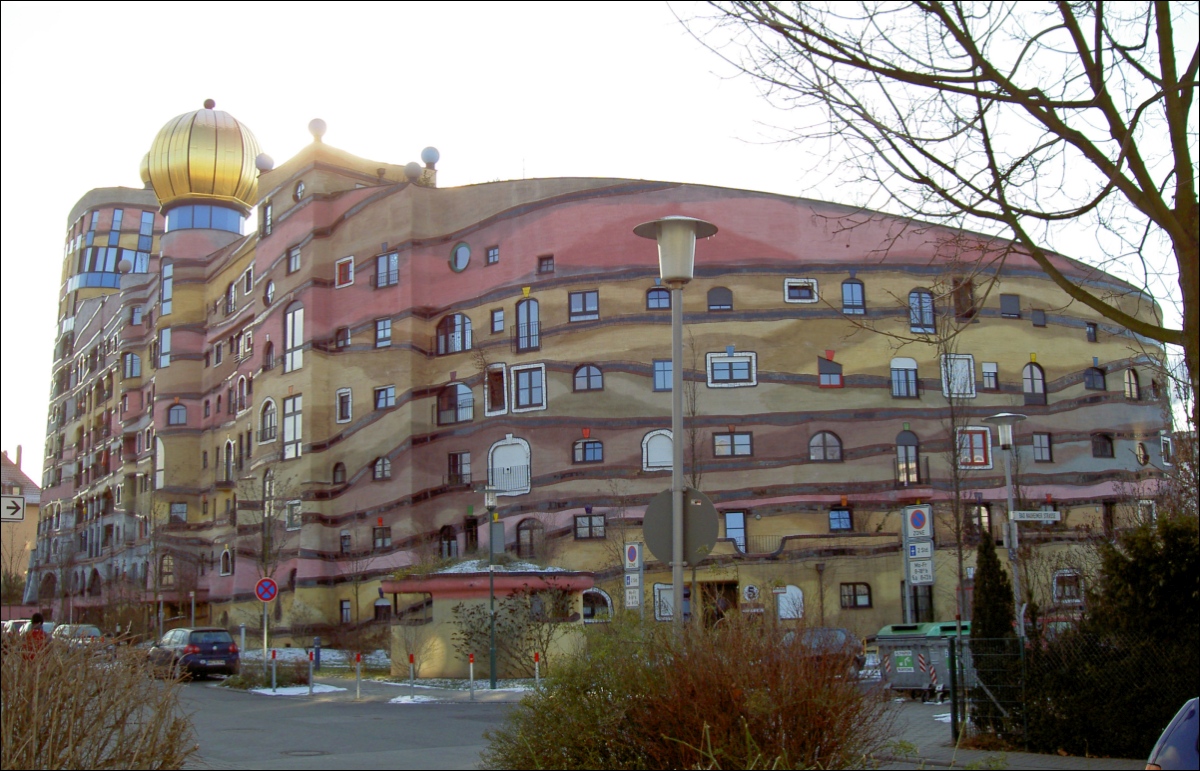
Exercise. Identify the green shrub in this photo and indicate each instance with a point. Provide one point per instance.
(253, 675)
(640, 696)
(71, 708)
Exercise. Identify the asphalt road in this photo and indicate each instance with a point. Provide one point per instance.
(244, 730)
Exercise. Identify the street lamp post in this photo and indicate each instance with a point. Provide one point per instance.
(1004, 423)
(489, 501)
(676, 237)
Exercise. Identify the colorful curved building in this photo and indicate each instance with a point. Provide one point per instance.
(322, 400)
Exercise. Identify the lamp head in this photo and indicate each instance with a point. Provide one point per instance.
(676, 237)
(1004, 423)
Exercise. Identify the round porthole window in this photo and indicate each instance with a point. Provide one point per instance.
(270, 293)
(299, 191)
(1143, 457)
(459, 257)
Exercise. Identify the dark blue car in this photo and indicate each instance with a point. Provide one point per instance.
(199, 651)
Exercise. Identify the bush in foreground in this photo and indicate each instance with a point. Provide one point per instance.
(734, 696)
(71, 708)
(252, 674)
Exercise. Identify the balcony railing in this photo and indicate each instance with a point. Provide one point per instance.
(461, 412)
(910, 473)
(509, 479)
(267, 434)
(453, 342)
(527, 337)
(383, 279)
(226, 482)
(457, 479)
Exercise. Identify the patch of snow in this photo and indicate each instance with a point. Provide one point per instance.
(297, 690)
(412, 700)
(481, 566)
(942, 718)
(330, 657)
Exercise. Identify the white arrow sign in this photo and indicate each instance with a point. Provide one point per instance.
(13, 508)
(1036, 516)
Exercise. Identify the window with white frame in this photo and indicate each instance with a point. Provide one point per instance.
(382, 468)
(727, 370)
(508, 466)
(343, 272)
(958, 375)
(529, 387)
(292, 517)
(164, 347)
(656, 450)
(974, 447)
(344, 405)
(800, 290)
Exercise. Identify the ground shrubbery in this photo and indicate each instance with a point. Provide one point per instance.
(73, 708)
(640, 696)
(252, 674)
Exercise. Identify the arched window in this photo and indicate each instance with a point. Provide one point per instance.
(589, 378)
(1093, 379)
(1033, 382)
(177, 415)
(230, 299)
(293, 337)
(242, 394)
(658, 299)
(268, 422)
(1133, 386)
(720, 299)
(657, 450)
(825, 447)
(453, 334)
(597, 606)
(230, 459)
(269, 355)
(166, 571)
(226, 562)
(382, 468)
(455, 404)
(528, 326)
(530, 535)
(589, 451)
(339, 473)
(920, 312)
(160, 464)
(908, 459)
(1102, 446)
(133, 365)
(853, 297)
(447, 543)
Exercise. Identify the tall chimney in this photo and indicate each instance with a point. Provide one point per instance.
(18, 461)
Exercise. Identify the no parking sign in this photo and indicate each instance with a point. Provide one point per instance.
(918, 521)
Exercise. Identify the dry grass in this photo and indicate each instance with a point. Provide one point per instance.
(71, 708)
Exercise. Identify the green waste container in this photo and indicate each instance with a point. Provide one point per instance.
(939, 635)
(904, 658)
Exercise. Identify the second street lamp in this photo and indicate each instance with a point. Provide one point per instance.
(1004, 423)
(494, 525)
(676, 237)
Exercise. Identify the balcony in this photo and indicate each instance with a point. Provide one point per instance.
(460, 411)
(913, 473)
(267, 434)
(526, 337)
(453, 342)
(384, 279)
(509, 479)
(226, 482)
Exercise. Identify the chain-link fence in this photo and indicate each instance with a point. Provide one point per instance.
(1082, 693)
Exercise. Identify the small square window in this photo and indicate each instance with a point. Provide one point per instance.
(800, 290)
(584, 306)
(546, 264)
(344, 272)
(662, 374)
(855, 596)
(840, 520)
(589, 527)
(342, 337)
(383, 333)
(729, 445)
(588, 451)
(493, 255)
(1102, 446)
(385, 397)
(497, 321)
(381, 537)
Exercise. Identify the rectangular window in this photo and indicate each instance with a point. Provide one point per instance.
(164, 347)
(341, 338)
(497, 321)
(800, 290)
(529, 391)
(248, 282)
(589, 527)
(387, 270)
(662, 374)
(1042, 449)
(584, 306)
(855, 596)
(344, 405)
(1102, 446)
(383, 333)
(292, 517)
(219, 353)
(588, 451)
(495, 389)
(345, 611)
(974, 447)
(385, 397)
(178, 512)
(344, 272)
(829, 373)
(458, 468)
(728, 445)
(1039, 318)
(292, 436)
(1010, 306)
(735, 528)
(958, 375)
(133, 365)
(840, 520)
(166, 287)
(1091, 332)
(905, 384)
(493, 255)
(1167, 448)
(991, 376)
(729, 370)
(381, 537)
(546, 264)
(1067, 587)
(293, 259)
(135, 315)
(853, 298)
(293, 339)
(964, 298)
(146, 232)
(266, 218)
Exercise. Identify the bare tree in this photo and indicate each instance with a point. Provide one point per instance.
(691, 409)
(1029, 122)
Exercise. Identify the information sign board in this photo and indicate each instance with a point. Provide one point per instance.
(1036, 516)
(918, 550)
(633, 598)
(903, 661)
(920, 572)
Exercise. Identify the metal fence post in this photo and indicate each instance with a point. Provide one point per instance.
(953, 662)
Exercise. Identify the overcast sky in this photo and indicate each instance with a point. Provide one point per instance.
(504, 91)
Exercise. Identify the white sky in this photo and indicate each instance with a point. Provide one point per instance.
(502, 90)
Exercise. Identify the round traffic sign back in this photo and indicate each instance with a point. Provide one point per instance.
(266, 589)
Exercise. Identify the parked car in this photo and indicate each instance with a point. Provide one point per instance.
(15, 626)
(1177, 748)
(829, 644)
(198, 651)
(76, 634)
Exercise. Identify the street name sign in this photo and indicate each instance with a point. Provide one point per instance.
(1036, 516)
(13, 508)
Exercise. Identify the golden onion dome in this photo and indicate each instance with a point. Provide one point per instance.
(203, 156)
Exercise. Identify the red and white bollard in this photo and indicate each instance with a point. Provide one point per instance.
(471, 673)
(357, 676)
(272, 670)
(537, 671)
(412, 675)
